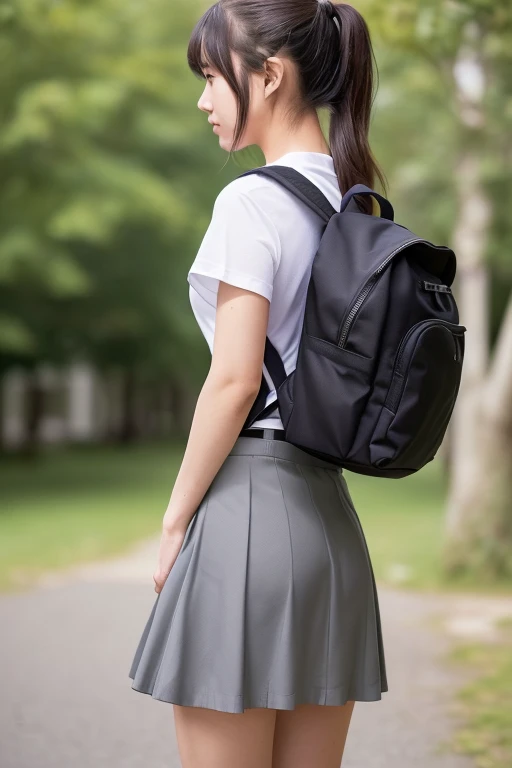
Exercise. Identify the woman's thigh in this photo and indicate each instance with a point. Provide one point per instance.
(208, 738)
(311, 735)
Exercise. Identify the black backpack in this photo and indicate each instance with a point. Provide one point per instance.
(380, 357)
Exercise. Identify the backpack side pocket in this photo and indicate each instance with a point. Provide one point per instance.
(421, 397)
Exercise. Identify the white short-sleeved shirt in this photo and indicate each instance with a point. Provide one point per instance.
(262, 238)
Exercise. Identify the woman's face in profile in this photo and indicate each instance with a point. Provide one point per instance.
(219, 102)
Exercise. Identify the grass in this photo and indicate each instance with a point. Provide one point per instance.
(402, 520)
(486, 702)
(80, 504)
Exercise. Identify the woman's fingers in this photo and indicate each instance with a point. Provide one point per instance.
(170, 545)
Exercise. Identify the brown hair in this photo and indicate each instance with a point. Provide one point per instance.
(335, 68)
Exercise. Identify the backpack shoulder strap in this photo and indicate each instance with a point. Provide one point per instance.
(299, 185)
(277, 373)
(309, 193)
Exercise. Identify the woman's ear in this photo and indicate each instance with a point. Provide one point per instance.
(274, 73)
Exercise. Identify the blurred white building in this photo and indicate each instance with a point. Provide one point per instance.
(77, 406)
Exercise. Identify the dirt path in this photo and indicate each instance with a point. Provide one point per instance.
(69, 643)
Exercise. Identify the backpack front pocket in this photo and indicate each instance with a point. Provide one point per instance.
(421, 397)
(329, 396)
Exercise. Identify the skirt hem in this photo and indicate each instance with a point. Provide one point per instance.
(221, 702)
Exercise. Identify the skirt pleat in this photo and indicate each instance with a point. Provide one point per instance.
(272, 600)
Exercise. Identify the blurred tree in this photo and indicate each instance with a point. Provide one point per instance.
(103, 161)
(458, 54)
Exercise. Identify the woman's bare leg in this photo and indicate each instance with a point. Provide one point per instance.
(311, 735)
(208, 738)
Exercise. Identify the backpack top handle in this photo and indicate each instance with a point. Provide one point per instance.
(386, 209)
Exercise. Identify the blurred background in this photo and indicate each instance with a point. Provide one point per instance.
(108, 173)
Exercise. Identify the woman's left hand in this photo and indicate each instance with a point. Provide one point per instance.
(170, 545)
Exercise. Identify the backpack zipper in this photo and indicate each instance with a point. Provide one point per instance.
(395, 389)
(368, 287)
(454, 328)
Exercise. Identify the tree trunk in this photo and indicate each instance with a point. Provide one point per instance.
(2, 414)
(129, 427)
(183, 402)
(34, 410)
(482, 541)
(478, 535)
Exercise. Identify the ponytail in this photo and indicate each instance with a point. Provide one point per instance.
(350, 108)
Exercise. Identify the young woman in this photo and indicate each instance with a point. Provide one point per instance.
(266, 605)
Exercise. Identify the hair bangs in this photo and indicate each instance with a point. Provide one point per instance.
(210, 42)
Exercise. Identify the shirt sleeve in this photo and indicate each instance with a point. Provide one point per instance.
(241, 245)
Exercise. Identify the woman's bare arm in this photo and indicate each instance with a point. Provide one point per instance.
(225, 399)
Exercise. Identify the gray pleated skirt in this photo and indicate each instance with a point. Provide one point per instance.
(272, 600)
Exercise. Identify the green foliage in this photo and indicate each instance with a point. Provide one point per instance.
(108, 171)
(101, 157)
(417, 132)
